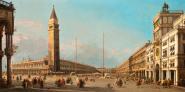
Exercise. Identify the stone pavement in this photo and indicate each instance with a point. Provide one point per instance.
(99, 86)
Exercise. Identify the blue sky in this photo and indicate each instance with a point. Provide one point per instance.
(127, 25)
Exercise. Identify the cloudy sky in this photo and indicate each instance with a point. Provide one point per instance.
(127, 25)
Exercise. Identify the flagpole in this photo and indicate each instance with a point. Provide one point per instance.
(76, 52)
(103, 54)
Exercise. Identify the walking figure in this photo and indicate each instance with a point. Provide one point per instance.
(119, 82)
(41, 83)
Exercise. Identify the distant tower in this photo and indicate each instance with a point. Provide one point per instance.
(53, 45)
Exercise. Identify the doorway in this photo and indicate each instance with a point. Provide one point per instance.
(157, 72)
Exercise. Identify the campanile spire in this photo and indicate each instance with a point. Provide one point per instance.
(53, 14)
(53, 42)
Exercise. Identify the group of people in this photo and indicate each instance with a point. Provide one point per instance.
(35, 82)
(119, 82)
(18, 78)
(62, 82)
(165, 83)
(3, 82)
(139, 82)
(38, 81)
(81, 82)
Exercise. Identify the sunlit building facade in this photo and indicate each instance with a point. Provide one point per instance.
(165, 54)
(41, 67)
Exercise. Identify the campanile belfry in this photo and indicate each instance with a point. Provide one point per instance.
(53, 45)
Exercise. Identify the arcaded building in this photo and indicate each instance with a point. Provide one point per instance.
(150, 64)
(173, 52)
(138, 62)
(35, 67)
(168, 45)
(164, 56)
(123, 68)
(52, 64)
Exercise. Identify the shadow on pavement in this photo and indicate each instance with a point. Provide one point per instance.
(66, 89)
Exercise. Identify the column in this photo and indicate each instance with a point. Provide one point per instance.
(162, 75)
(175, 77)
(140, 74)
(9, 53)
(168, 74)
(154, 75)
(1, 51)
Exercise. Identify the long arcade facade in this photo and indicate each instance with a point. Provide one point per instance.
(164, 57)
(41, 67)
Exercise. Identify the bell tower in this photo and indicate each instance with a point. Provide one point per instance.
(53, 45)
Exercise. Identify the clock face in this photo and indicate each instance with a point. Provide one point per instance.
(3, 14)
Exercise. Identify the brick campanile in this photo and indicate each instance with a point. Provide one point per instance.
(53, 45)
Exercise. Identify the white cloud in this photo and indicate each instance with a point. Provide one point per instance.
(27, 23)
(120, 41)
(120, 53)
(19, 38)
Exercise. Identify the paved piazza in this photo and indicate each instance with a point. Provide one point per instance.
(98, 86)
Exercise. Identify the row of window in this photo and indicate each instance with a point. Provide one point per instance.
(172, 39)
(167, 20)
(149, 58)
(172, 51)
(29, 66)
(171, 63)
(149, 67)
(71, 67)
(149, 51)
(163, 20)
